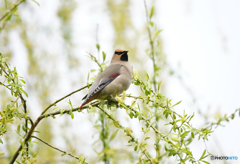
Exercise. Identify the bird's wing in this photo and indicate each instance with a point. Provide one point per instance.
(105, 78)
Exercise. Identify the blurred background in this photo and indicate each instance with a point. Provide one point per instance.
(198, 53)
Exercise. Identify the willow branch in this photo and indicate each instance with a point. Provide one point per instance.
(42, 116)
(95, 60)
(14, 7)
(152, 46)
(62, 99)
(55, 147)
(132, 137)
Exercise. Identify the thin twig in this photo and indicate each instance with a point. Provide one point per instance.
(152, 47)
(117, 122)
(14, 7)
(66, 111)
(55, 147)
(62, 99)
(95, 60)
(154, 73)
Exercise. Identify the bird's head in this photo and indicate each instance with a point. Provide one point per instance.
(120, 55)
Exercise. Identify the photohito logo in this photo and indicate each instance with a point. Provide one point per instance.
(224, 157)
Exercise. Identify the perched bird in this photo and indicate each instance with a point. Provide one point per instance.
(115, 79)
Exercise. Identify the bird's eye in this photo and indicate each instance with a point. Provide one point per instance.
(118, 53)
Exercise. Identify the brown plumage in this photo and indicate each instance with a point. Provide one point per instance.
(115, 79)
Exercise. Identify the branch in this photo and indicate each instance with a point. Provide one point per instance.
(55, 148)
(21, 97)
(62, 99)
(67, 111)
(14, 7)
(128, 134)
(226, 118)
(152, 47)
(29, 134)
(95, 60)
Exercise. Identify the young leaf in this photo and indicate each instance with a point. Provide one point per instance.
(151, 12)
(72, 115)
(204, 152)
(177, 103)
(205, 161)
(104, 56)
(113, 135)
(192, 134)
(184, 134)
(98, 46)
(157, 33)
(36, 2)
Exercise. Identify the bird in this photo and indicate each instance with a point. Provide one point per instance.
(115, 79)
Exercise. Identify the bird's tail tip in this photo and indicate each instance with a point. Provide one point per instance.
(80, 107)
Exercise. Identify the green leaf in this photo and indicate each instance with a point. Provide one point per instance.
(135, 148)
(35, 142)
(36, 2)
(177, 103)
(115, 124)
(156, 34)
(151, 24)
(18, 128)
(25, 93)
(98, 46)
(192, 134)
(151, 12)
(131, 114)
(113, 135)
(63, 154)
(72, 115)
(172, 153)
(104, 56)
(146, 76)
(22, 81)
(186, 151)
(174, 116)
(205, 161)
(159, 85)
(184, 134)
(204, 152)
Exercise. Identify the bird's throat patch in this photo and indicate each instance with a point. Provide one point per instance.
(124, 57)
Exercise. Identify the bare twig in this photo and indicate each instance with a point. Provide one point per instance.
(55, 147)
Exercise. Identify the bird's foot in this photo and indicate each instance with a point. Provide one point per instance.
(116, 102)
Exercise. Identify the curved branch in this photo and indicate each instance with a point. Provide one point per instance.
(62, 99)
(30, 132)
(55, 147)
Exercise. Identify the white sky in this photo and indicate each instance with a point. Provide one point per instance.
(203, 36)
